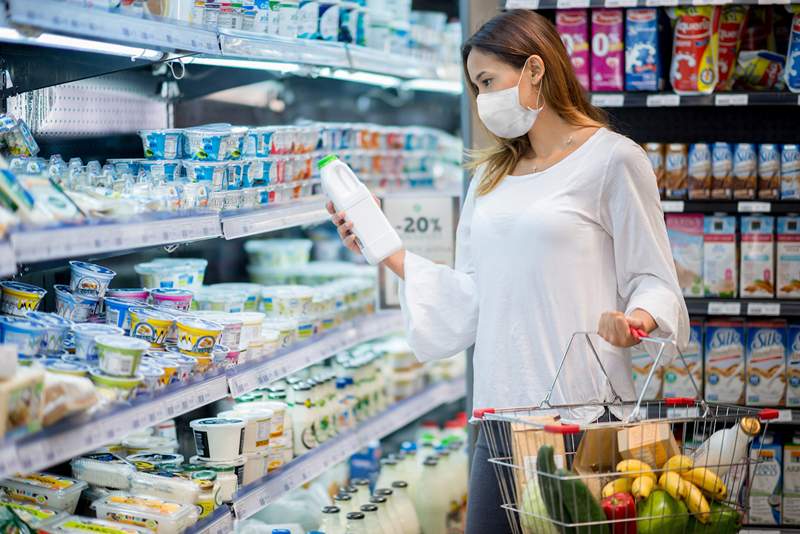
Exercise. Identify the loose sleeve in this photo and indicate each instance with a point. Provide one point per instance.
(440, 304)
(630, 211)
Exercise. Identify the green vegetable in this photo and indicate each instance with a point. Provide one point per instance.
(549, 486)
(660, 514)
(724, 520)
(535, 517)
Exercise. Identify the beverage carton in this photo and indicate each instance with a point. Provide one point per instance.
(787, 284)
(608, 61)
(719, 256)
(793, 366)
(766, 363)
(573, 27)
(724, 361)
(758, 257)
(643, 70)
(641, 363)
(790, 505)
(685, 232)
(677, 380)
(765, 481)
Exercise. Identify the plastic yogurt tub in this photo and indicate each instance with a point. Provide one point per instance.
(152, 378)
(89, 279)
(20, 298)
(154, 461)
(252, 293)
(179, 299)
(219, 356)
(125, 165)
(255, 466)
(271, 339)
(53, 491)
(258, 174)
(149, 512)
(287, 301)
(74, 524)
(115, 388)
(151, 325)
(117, 312)
(186, 365)
(162, 144)
(278, 409)
(131, 294)
(209, 299)
(28, 335)
(196, 336)
(211, 172)
(251, 327)
(77, 308)
(238, 175)
(185, 273)
(287, 329)
(168, 170)
(170, 367)
(218, 439)
(236, 465)
(36, 517)
(206, 143)
(257, 430)
(120, 355)
(103, 469)
(279, 252)
(85, 334)
(231, 326)
(56, 330)
(67, 367)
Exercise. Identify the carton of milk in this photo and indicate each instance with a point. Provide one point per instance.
(642, 53)
(677, 380)
(685, 232)
(757, 268)
(766, 472)
(790, 505)
(719, 256)
(573, 27)
(641, 364)
(608, 61)
(787, 283)
(793, 366)
(766, 363)
(724, 361)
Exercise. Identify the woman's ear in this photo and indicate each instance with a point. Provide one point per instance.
(536, 67)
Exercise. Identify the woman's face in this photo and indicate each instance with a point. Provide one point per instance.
(489, 74)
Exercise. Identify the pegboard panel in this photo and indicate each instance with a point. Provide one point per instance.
(97, 106)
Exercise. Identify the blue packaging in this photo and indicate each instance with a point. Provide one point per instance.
(328, 29)
(642, 50)
(766, 481)
(366, 463)
(792, 72)
(308, 19)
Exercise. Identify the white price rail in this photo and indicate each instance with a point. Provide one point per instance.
(261, 493)
(219, 522)
(71, 438)
(277, 217)
(315, 350)
(522, 4)
(81, 240)
(724, 308)
(764, 308)
(749, 206)
(731, 99)
(603, 100)
(673, 206)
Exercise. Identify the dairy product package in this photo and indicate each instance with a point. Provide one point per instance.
(695, 49)
(787, 283)
(745, 171)
(790, 171)
(655, 153)
(573, 27)
(676, 171)
(641, 364)
(769, 171)
(790, 504)
(724, 361)
(643, 70)
(730, 38)
(793, 366)
(685, 232)
(677, 380)
(608, 61)
(699, 175)
(719, 256)
(759, 70)
(766, 363)
(721, 171)
(757, 257)
(792, 71)
(765, 481)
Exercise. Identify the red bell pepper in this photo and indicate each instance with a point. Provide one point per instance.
(620, 506)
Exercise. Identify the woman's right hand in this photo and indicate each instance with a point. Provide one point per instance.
(345, 229)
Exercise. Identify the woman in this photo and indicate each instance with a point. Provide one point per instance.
(561, 231)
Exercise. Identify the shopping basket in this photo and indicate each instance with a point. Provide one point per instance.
(680, 465)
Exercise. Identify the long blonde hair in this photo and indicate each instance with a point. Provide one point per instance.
(514, 36)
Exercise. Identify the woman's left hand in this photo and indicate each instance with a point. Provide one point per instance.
(615, 327)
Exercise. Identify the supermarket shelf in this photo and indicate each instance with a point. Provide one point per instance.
(567, 4)
(219, 522)
(272, 218)
(652, 100)
(731, 206)
(257, 495)
(8, 265)
(744, 307)
(75, 436)
(301, 355)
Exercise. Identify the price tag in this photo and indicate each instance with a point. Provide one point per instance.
(522, 4)
(660, 3)
(609, 100)
(763, 308)
(754, 207)
(672, 206)
(663, 100)
(683, 411)
(784, 416)
(569, 4)
(621, 3)
(723, 99)
(724, 308)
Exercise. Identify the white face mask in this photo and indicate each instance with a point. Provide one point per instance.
(502, 113)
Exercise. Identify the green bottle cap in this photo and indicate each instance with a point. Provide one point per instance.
(327, 159)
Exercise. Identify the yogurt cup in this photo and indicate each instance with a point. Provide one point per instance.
(172, 273)
(67, 367)
(231, 326)
(286, 328)
(186, 365)
(27, 334)
(278, 409)
(196, 336)
(162, 144)
(235, 466)
(279, 252)
(167, 170)
(120, 355)
(56, 331)
(211, 172)
(203, 364)
(89, 279)
(179, 299)
(206, 143)
(252, 293)
(271, 339)
(85, 334)
(218, 439)
(258, 173)
(210, 299)
(154, 461)
(238, 175)
(131, 294)
(258, 426)
(117, 312)
(152, 378)
(150, 325)
(115, 388)
(76, 308)
(219, 356)
(251, 327)
(170, 367)
(260, 139)
(287, 301)
(20, 298)
(125, 165)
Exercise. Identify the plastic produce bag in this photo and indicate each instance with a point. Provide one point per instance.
(695, 49)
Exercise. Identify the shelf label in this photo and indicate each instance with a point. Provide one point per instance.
(621, 3)
(683, 411)
(522, 4)
(763, 308)
(569, 4)
(754, 207)
(784, 416)
(608, 100)
(661, 3)
(723, 99)
(663, 100)
(672, 206)
(724, 308)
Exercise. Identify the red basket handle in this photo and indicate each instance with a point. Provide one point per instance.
(768, 414)
(478, 413)
(680, 401)
(638, 333)
(562, 429)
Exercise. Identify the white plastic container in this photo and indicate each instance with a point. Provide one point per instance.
(103, 469)
(278, 409)
(74, 524)
(154, 513)
(258, 425)
(53, 491)
(375, 234)
(37, 517)
(255, 467)
(236, 467)
(166, 486)
(218, 439)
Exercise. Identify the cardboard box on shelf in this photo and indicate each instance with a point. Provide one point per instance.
(790, 504)
(787, 284)
(758, 257)
(765, 482)
(724, 361)
(685, 232)
(719, 256)
(652, 443)
(597, 453)
(677, 380)
(766, 363)
(641, 364)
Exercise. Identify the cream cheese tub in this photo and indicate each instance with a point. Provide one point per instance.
(20, 298)
(120, 355)
(258, 426)
(89, 279)
(154, 513)
(235, 466)
(217, 438)
(53, 491)
(103, 469)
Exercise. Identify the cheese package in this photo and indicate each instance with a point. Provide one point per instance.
(642, 50)
(724, 361)
(758, 257)
(53, 491)
(695, 49)
(677, 380)
(148, 512)
(719, 256)
(573, 27)
(608, 60)
(787, 283)
(652, 443)
(766, 363)
(685, 232)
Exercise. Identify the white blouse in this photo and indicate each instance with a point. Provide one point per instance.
(543, 256)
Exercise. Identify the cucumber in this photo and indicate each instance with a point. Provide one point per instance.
(581, 506)
(550, 488)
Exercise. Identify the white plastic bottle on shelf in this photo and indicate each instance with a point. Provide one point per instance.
(332, 523)
(302, 416)
(346, 504)
(727, 447)
(431, 498)
(371, 519)
(405, 507)
(461, 468)
(373, 230)
(391, 509)
(363, 495)
(355, 524)
(389, 472)
(387, 525)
